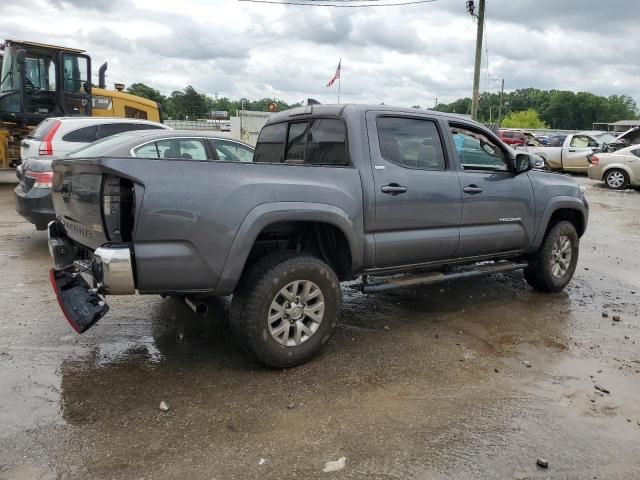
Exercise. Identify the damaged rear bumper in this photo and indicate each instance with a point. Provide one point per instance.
(81, 278)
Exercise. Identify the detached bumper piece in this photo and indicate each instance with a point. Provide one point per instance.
(80, 304)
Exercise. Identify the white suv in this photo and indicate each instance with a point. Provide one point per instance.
(61, 135)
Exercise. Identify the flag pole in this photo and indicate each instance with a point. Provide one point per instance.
(339, 80)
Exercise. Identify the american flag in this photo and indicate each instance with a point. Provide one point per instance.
(336, 76)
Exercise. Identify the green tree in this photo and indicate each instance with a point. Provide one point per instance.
(523, 119)
(188, 104)
(558, 108)
(145, 91)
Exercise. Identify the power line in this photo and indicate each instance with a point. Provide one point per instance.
(343, 5)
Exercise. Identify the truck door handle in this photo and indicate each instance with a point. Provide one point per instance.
(571, 150)
(393, 189)
(473, 189)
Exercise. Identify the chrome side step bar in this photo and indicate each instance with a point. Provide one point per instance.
(430, 278)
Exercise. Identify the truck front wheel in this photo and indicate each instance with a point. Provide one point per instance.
(285, 308)
(552, 266)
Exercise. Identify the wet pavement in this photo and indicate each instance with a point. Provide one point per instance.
(472, 379)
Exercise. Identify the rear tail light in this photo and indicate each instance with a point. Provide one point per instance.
(42, 179)
(118, 204)
(594, 160)
(46, 147)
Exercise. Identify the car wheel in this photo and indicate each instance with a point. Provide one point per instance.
(285, 308)
(616, 179)
(553, 265)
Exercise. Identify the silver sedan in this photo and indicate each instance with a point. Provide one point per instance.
(619, 169)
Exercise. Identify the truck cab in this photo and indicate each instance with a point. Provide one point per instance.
(40, 81)
(398, 197)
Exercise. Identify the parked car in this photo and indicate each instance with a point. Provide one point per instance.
(567, 153)
(619, 169)
(61, 135)
(542, 139)
(399, 196)
(623, 140)
(33, 193)
(518, 138)
(513, 137)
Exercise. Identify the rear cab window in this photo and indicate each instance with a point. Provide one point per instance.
(319, 141)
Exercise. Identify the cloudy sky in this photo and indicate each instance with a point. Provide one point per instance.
(401, 55)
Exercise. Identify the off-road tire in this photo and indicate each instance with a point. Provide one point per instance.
(257, 289)
(616, 171)
(539, 272)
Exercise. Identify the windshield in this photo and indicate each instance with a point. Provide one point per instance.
(101, 147)
(39, 71)
(9, 80)
(605, 137)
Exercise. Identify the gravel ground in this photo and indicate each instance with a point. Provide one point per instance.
(472, 379)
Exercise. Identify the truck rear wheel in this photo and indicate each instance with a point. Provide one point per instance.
(285, 308)
(553, 265)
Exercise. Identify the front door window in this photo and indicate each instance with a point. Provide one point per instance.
(477, 151)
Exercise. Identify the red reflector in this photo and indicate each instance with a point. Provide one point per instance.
(594, 160)
(46, 148)
(43, 179)
(52, 279)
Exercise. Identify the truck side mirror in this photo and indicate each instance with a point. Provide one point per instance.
(523, 163)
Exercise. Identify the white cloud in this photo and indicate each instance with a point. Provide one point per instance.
(397, 55)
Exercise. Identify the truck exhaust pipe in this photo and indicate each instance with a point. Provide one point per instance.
(101, 80)
(196, 304)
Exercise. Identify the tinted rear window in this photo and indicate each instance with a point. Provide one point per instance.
(108, 129)
(270, 146)
(321, 141)
(82, 135)
(42, 129)
(327, 143)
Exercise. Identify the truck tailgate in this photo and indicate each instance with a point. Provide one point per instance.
(77, 193)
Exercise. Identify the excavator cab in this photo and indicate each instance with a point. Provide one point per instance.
(39, 81)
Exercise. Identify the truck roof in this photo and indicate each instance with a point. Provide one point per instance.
(45, 45)
(334, 110)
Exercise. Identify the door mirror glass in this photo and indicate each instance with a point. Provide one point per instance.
(524, 162)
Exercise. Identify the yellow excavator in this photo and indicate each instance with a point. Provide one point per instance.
(38, 81)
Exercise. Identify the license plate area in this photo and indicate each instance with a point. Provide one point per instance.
(80, 304)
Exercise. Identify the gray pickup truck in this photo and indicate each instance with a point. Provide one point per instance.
(398, 197)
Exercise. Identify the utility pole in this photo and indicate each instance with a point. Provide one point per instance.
(500, 107)
(476, 72)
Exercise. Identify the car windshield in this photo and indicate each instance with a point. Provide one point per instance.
(605, 137)
(101, 147)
